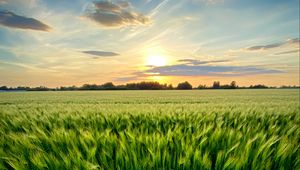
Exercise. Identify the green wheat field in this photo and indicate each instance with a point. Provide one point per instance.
(193, 129)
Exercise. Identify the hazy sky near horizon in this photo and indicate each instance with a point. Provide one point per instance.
(73, 42)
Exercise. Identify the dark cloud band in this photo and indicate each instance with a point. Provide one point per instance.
(287, 52)
(274, 45)
(109, 14)
(101, 53)
(191, 67)
(198, 62)
(12, 20)
(200, 70)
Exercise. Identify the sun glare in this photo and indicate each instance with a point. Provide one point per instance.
(156, 78)
(156, 60)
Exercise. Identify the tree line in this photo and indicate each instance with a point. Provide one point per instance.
(141, 86)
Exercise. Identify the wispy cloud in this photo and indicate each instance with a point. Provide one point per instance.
(110, 14)
(13, 20)
(198, 62)
(287, 52)
(294, 41)
(158, 7)
(264, 47)
(101, 53)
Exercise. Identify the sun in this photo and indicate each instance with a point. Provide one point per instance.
(156, 60)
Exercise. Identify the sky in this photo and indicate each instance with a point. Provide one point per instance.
(73, 42)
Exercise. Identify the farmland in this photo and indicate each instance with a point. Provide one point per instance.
(170, 129)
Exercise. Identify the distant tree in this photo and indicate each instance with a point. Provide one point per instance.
(121, 87)
(170, 87)
(146, 86)
(233, 85)
(258, 86)
(184, 85)
(131, 86)
(150, 86)
(216, 85)
(165, 86)
(90, 87)
(289, 87)
(3, 88)
(108, 86)
(71, 88)
(40, 88)
(202, 87)
(22, 88)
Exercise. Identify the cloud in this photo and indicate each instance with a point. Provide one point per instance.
(12, 20)
(101, 53)
(123, 4)
(198, 62)
(109, 14)
(191, 67)
(287, 52)
(264, 47)
(107, 6)
(201, 70)
(294, 41)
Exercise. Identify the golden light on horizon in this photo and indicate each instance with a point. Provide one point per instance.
(156, 78)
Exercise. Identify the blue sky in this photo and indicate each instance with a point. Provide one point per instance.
(64, 42)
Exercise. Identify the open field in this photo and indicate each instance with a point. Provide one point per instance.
(209, 129)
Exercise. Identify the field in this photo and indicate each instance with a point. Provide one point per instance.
(208, 129)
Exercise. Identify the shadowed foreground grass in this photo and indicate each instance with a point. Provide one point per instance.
(214, 129)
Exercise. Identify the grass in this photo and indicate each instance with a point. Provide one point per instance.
(209, 129)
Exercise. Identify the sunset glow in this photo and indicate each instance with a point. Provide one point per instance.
(61, 43)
